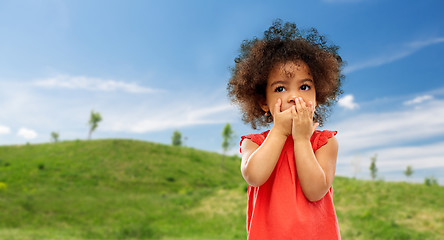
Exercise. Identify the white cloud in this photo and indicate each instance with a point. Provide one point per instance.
(172, 119)
(209, 111)
(427, 42)
(407, 50)
(348, 102)
(27, 133)
(410, 136)
(420, 156)
(418, 100)
(92, 84)
(426, 160)
(68, 112)
(398, 158)
(376, 130)
(4, 130)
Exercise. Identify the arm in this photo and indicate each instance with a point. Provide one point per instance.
(258, 162)
(316, 171)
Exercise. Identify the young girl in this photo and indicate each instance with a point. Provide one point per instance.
(290, 78)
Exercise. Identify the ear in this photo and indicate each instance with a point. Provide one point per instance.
(263, 105)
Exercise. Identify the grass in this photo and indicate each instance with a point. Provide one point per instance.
(388, 210)
(126, 189)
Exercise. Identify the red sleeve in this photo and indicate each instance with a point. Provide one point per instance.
(320, 138)
(256, 138)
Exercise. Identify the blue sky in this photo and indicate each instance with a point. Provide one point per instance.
(152, 67)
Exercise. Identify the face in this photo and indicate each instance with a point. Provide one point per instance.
(288, 81)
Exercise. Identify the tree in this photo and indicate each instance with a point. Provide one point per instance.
(94, 120)
(430, 181)
(55, 137)
(408, 171)
(227, 135)
(176, 138)
(373, 168)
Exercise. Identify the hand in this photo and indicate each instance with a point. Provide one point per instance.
(302, 115)
(282, 120)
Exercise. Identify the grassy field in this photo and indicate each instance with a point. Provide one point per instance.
(126, 189)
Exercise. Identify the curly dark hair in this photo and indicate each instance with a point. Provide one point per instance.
(282, 43)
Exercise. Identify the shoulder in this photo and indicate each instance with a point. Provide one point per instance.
(252, 141)
(258, 139)
(321, 138)
(330, 145)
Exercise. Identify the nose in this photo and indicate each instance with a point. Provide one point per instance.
(291, 98)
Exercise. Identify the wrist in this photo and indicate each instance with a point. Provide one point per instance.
(301, 139)
(278, 133)
(301, 144)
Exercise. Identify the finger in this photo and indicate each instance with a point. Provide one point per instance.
(310, 104)
(304, 110)
(315, 125)
(294, 114)
(287, 110)
(299, 108)
(293, 110)
(311, 107)
(277, 106)
(304, 106)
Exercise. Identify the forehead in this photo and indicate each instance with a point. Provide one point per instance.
(290, 69)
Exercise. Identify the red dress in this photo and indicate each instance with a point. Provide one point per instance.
(279, 210)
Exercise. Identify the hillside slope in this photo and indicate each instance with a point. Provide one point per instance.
(116, 189)
(126, 189)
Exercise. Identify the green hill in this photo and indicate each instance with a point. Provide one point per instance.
(126, 189)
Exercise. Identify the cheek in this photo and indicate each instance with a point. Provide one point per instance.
(272, 107)
(313, 100)
(310, 99)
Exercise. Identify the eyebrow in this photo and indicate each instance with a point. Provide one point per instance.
(285, 81)
(278, 82)
(307, 80)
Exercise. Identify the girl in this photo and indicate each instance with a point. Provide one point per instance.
(290, 78)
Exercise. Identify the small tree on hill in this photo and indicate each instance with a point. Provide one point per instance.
(430, 181)
(227, 135)
(54, 137)
(408, 171)
(373, 168)
(176, 138)
(94, 120)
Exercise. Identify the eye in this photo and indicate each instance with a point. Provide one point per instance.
(279, 89)
(305, 87)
